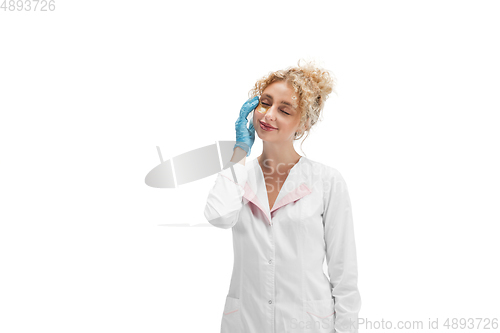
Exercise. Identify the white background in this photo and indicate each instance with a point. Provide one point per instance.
(89, 90)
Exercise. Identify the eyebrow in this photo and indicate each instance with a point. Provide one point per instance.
(282, 102)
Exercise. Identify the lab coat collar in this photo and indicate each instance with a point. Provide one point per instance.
(296, 186)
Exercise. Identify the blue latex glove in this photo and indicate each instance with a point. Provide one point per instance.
(245, 137)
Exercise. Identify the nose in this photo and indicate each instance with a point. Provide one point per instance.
(271, 114)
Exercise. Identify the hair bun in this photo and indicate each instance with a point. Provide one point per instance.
(322, 78)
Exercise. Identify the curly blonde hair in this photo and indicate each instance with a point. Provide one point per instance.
(311, 83)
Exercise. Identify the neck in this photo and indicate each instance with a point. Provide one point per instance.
(274, 155)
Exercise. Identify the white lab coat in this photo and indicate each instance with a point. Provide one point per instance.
(278, 284)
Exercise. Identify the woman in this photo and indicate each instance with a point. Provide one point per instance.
(287, 213)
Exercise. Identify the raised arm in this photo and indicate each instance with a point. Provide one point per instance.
(224, 200)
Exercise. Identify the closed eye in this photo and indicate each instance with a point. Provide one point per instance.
(280, 110)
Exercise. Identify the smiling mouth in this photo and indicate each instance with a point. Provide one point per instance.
(266, 126)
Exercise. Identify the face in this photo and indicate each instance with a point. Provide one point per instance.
(278, 107)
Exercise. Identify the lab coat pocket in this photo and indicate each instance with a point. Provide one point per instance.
(320, 316)
(231, 319)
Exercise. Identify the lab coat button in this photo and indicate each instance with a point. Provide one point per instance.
(270, 261)
(270, 302)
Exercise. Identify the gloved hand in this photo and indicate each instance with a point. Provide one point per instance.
(245, 137)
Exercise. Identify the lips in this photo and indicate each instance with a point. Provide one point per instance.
(267, 125)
